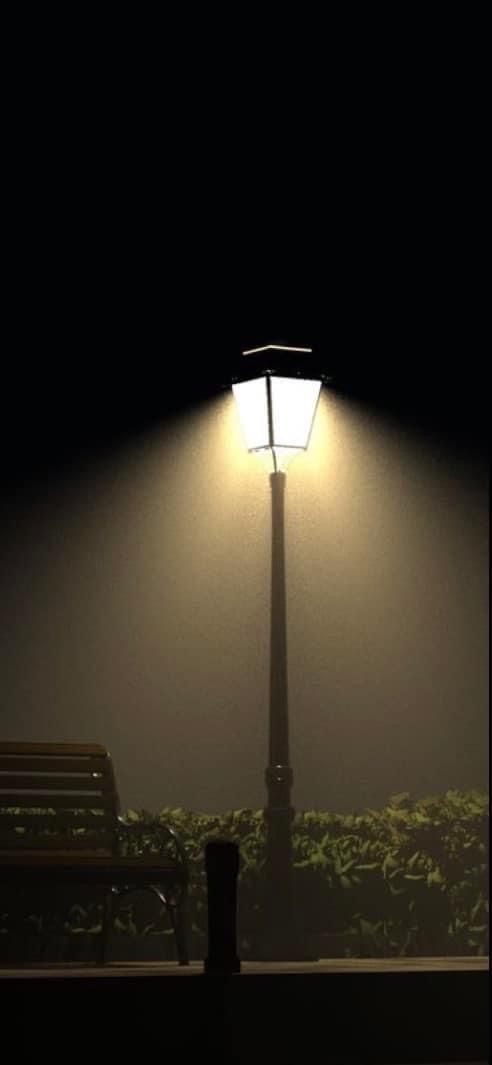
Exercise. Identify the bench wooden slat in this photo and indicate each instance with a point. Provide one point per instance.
(26, 763)
(51, 861)
(104, 841)
(145, 866)
(91, 867)
(57, 820)
(41, 800)
(51, 749)
(50, 782)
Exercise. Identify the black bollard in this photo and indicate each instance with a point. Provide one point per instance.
(222, 867)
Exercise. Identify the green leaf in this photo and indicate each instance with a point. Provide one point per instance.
(476, 908)
(435, 877)
(400, 799)
(367, 928)
(132, 815)
(348, 865)
(390, 863)
(413, 859)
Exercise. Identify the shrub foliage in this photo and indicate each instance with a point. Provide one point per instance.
(410, 879)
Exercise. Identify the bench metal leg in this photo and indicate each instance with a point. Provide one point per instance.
(175, 908)
(107, 923)
(180, 931)
(177, 916)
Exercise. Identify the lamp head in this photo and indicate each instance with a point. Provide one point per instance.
(277, 390)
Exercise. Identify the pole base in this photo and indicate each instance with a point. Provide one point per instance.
(221, 966)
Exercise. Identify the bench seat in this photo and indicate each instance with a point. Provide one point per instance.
(60, 824)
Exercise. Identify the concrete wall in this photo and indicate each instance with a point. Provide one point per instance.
(135, 612)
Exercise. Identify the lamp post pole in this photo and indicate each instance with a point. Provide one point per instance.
(279, 936)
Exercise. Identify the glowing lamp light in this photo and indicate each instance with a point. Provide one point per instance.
(276, 402)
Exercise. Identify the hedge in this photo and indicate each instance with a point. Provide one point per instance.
(410, 879)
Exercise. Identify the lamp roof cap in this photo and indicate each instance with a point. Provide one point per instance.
(282, 360)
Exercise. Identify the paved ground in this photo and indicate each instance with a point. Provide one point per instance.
(331, 965)
(412, 1010)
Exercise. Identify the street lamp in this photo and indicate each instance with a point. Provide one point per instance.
(277, 390)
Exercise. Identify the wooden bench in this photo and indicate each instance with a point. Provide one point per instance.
(60, 825)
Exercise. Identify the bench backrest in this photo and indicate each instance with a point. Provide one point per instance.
(57, 797)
